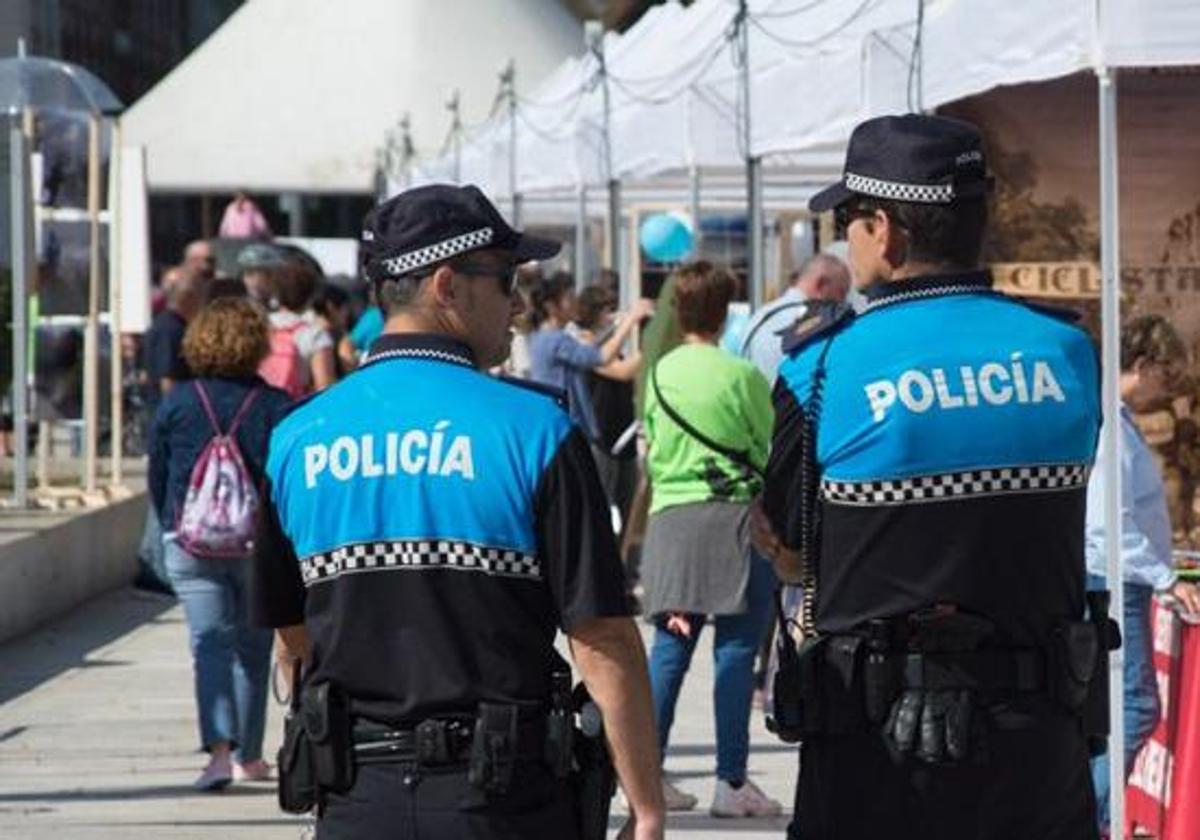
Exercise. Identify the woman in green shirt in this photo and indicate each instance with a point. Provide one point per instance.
(708, 421)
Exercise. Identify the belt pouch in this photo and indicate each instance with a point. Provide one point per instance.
(494, 747)
(1074, 658)
(1096, 722)
(326, 712)
(297, 777)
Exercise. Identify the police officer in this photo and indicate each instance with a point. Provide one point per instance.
(428, 529)
(927, 485)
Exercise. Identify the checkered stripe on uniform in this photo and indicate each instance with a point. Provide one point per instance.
(418, 555)
(950, 486)
(899, 191)
(405, 263)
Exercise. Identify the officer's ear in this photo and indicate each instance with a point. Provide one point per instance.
(890, 238)
(441, 286)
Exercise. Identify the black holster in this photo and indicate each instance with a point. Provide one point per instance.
(325, 709)
(297, 778)
(1094, 707)
(593, 780)
(795, 705)
(494, 747)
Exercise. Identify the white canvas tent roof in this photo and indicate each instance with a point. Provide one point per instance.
(297, 95)
(817, 69)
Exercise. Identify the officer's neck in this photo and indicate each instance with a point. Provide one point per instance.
(422, 321)
(912, 269)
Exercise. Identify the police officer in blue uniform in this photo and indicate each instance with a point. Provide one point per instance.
(428, 529)
(927, 486)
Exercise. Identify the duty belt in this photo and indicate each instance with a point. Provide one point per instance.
(1019, 670)
(437, 742)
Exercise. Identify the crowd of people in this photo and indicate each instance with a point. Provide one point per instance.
(243, 348)
(684, 466)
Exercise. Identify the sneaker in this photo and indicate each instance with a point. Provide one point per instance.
(746, 801)
(216, 776)
(675, 799)
(254, 770)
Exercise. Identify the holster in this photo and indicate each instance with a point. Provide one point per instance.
(297, 777)
(494, 747)
(560, 727)
(593, 779)
(1094, 708)
(816, 688)
(325, 710)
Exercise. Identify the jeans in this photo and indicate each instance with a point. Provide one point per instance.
(231, 658)
(1141, 685)
(734, 647)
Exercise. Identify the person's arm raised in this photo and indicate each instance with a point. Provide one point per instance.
(642, 308)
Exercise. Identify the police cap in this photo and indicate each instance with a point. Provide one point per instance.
(428, 225)
(912, 158)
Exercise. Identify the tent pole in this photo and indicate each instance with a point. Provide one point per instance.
(1110, 268)
(115, 279)
(91, 334)
(614, 237)
(581, 238)
(754, 210)
(694, 208)
(18, 194)
(509, 79)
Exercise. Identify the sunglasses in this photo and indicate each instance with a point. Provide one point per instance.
(845, 214)
(506, 274)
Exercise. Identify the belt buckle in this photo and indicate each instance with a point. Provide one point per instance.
(432, 744)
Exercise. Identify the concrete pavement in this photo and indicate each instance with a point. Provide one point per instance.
(98, 739)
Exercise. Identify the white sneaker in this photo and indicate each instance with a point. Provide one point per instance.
(217, 775)
(746, 801)
(676, 800)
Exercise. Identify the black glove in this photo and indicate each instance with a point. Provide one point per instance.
(935, 726)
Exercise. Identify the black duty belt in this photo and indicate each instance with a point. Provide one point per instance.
(438, 742)
(1018, 670)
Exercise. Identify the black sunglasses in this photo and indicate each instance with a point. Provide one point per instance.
(845, 214)
(506, 273)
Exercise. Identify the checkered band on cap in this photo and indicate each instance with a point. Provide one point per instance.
(898, 191)
(406, 263)
(950, 486)
(418, 555)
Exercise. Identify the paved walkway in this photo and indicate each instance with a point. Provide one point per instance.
(97, 739)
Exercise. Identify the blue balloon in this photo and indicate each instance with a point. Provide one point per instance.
(666, 237)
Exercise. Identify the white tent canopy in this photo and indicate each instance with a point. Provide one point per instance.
(297, 95)
(816, 70)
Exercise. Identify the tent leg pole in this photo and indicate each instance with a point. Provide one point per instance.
(754, 232)
(1110, 262)
(91, 335)
(581, 239)
(694, 208)
(18, 194)
(614, 236)
(115, 279)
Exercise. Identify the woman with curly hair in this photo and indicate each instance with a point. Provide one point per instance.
(223, 346)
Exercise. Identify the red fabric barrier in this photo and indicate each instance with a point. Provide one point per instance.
(1163, 795)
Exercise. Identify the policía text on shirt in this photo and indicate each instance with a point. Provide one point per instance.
(993, 383)
(413, 452)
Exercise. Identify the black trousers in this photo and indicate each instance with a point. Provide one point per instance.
(1034, 785)
(398, 802)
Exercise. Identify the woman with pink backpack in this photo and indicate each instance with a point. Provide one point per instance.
(208, 444)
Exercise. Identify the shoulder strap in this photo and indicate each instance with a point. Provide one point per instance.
(767, 315)
(208, 408)
(737, 456)
(243, 409)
